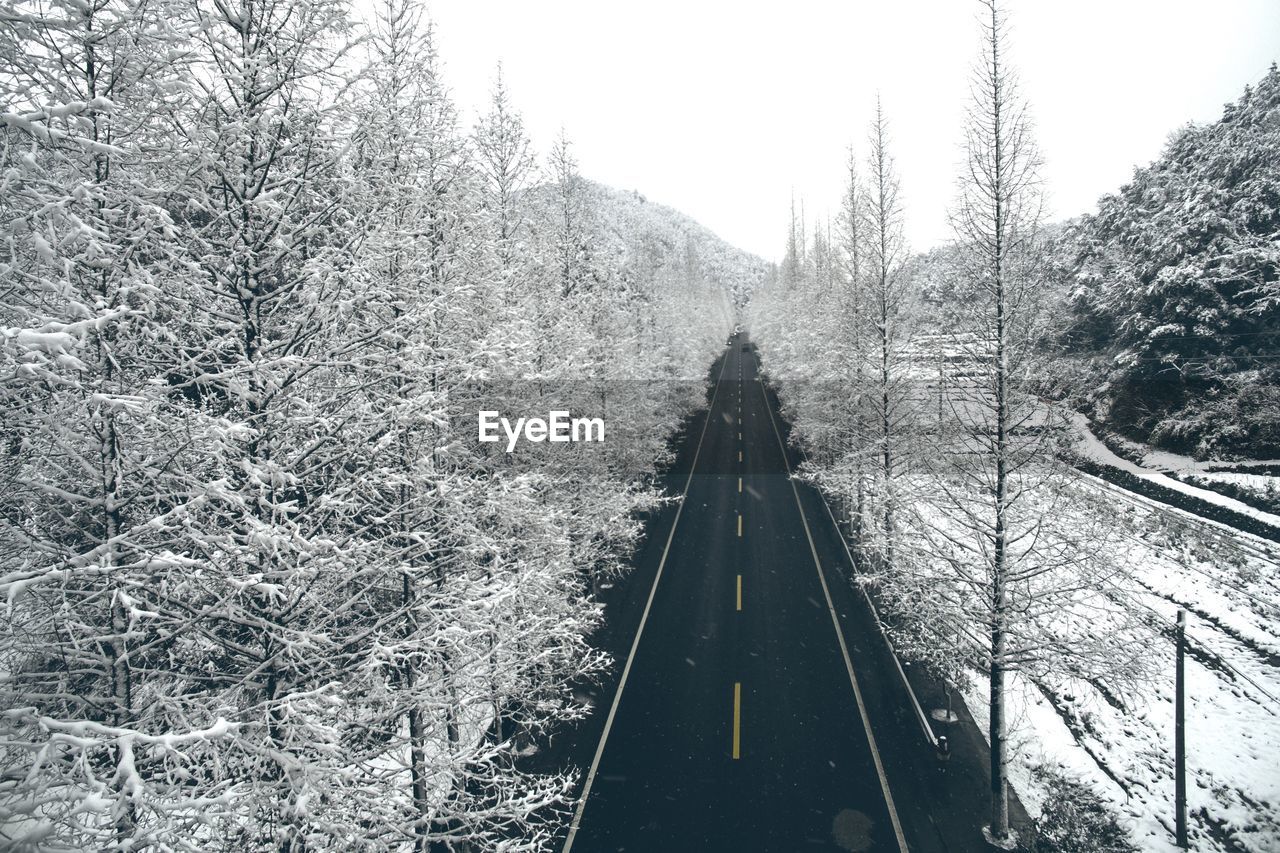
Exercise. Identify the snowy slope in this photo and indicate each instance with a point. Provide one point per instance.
(638, 231)
(1091, 447)
(1120, 742)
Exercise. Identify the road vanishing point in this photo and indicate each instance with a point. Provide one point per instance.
(755, 705)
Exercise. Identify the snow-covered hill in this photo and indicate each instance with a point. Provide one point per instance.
(641, 233)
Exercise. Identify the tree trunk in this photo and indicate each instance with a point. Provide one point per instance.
(418, 775)
(999, 785)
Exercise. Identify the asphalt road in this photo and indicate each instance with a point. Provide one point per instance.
(759, 708)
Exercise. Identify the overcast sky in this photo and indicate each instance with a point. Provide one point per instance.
(721, 109)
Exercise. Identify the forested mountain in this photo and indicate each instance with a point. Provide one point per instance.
(1175, 284)
(646, 233)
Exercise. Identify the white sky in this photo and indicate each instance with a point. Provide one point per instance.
(720, 109)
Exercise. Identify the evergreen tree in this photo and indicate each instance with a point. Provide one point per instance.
(1177, 288)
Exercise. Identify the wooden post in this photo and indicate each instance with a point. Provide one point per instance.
(1180, 738)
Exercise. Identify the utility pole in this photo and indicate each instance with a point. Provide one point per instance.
(1180, 738)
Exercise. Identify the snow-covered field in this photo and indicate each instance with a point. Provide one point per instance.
(1123, 745)
(1163, 469)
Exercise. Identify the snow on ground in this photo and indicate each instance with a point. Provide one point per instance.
(1123, 746)
(1257, 482)
(1091, 447)
(1175, 463)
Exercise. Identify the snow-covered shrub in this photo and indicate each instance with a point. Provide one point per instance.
(1075, 819)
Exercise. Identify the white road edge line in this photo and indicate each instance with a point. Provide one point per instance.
(921, 717)
(644, 617)
(844, 649)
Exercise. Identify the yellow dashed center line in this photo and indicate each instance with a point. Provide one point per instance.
(739, 485)
(737, 719)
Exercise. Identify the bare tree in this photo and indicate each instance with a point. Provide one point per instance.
(507, 166)
(1004, 562)
(884, 287)
(850, 346)
(572, 245)
(996, 217)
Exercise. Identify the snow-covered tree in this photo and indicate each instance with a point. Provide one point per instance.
(884, 318)
(997, 564)
(507, 169)
(262, 589)
(505, 159)
(97, 439)
(570, 221)
(1176, 288)
(1009, 556)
